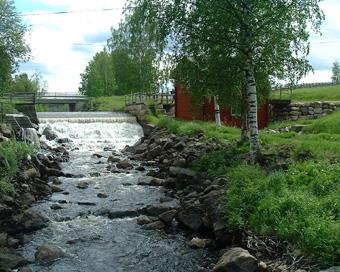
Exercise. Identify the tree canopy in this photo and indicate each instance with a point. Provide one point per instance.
(13, 47)
(336, 72)
(236, 44)
(24, 83)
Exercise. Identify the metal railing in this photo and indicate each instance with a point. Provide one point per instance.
(18, 98)
(157, 98)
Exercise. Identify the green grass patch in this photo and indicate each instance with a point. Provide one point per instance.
(210, 130)
(14, 153)
(107, 103)
(300, 205)
(328, 93)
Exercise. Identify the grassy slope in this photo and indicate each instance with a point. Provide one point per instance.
(329, 93)
(300, 204)
(108, 103)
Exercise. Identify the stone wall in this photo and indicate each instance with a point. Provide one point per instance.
(139, 110)
(303, 110)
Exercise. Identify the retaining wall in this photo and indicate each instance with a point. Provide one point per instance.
(303, 110)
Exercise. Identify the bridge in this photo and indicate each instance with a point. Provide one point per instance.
(25, 102)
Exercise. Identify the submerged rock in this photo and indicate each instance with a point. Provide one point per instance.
(154, 225)
(48, 253)
(83, 185)
(199, 243)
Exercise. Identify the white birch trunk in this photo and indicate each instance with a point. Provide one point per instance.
(217, 112)
(252, 111)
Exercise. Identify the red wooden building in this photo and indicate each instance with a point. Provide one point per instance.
(205, 111)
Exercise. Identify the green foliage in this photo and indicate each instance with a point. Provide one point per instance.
(22, 83)
(13, 47)
(107, 103)
(191, 128)
(99, 76)
(336, 72)
(300, 205)
(329, 124)
(328, 93)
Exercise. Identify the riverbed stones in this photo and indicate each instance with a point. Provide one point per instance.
(124, 165)
(49, 133)
(83, 185)
(113, 159)
(157, 225)
(190, 217)
(56, 206)
(48, 253)
(150, 181)
(30, 220)
(102, 195)
(168, 216)
(143, 219)
(199, 243)
(156, 210)
(236, 260)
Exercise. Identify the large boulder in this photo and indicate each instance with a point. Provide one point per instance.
(30, 220)
(191, 217)
(48, 253)
(10, 259)
(236, 260)
(150, 181)
(49, 133)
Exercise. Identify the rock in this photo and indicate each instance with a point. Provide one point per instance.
(165, 199)
(83, 185)
(156, 210)
(27, 198)
(56, 181)
(140, 168)
(86, 203)
(10, 259)
(236, 260)
(25, 269)
(263, 267)
(102, 195)
(63, 140)
(180, 146)
(168, 216)
(143, 220)
(190, 217)
(56, 189)
(99, 156)
(12, 242)
(3, 239)
(48, 253)
(150, 181)
(49, 133)
(3, 162)
(30, 220)
(199, 243)
(56, 206)
(122, 214)
(113, 159)
(182, 172)
(154, 226)
(5, 211)
(94, 174)
(124, 165)
(297, 128)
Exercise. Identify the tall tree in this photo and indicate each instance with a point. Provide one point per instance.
(251, 37)
(25, 84)
(13, 47)
(336, 72)
(99, 77)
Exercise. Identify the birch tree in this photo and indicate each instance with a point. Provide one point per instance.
(248, 37)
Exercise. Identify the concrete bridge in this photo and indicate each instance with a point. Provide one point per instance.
(25, 102)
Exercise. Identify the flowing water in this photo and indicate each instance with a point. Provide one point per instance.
(92, 241)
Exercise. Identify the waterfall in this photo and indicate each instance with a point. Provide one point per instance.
(94, 130)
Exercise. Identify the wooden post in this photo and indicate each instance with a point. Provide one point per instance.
(217, 111)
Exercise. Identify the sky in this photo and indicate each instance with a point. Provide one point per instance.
(62, 45)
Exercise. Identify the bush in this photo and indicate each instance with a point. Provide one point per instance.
(300, 205)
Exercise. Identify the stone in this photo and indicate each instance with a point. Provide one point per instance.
(49, 133)
(168, 216)
(25, 269)
(32, 173)
(150, 181)
(3, 162)
(30, 220)
(83, 185)
(199, 243)
(124, 165)
(182, 172)
(143, 219)
(122, 214)
(156, 210)
(3, 239)
(56, 189)
(11, 259)
(102, 195)
(297, 128)
(157, 225)
(113, 159)
(27, 198)
(99, 156)
(56, 206)
(47, 254)
(140, 168)
(236, 260)
(191, 218)
(5, 211)
(56, 181)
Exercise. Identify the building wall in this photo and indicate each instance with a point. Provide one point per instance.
(186, 110)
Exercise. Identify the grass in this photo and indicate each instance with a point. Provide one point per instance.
(298, 201)
(328, 93)
(14, 153)
(107, 103)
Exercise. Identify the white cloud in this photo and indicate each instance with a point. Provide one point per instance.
(53, 37)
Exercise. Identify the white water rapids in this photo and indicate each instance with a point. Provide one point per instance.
(91, 240)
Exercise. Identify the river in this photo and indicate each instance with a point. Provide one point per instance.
(91, 240)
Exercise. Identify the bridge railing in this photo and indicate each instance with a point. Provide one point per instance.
(18, 98)
(162, 98)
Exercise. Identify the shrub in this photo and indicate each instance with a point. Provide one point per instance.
(300, 205)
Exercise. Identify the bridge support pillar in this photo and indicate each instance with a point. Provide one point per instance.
(72, 107)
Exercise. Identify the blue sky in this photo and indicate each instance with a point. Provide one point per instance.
(62, 45)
